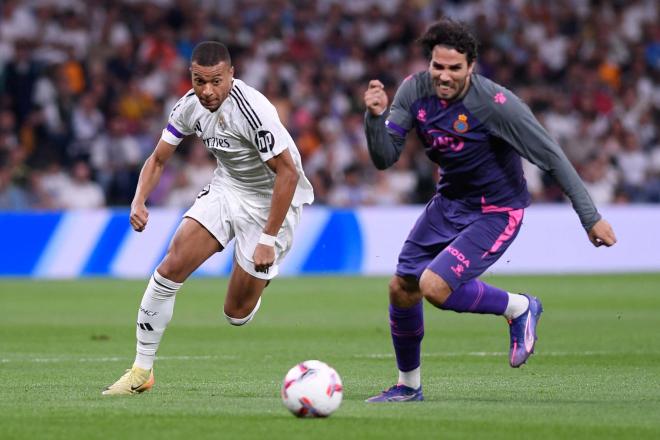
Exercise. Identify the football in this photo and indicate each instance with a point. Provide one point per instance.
(312, 389)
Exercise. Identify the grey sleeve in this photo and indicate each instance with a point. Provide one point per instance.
(386, 134)
(384, 147)
(508, 118)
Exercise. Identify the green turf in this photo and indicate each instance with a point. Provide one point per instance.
(596, 373)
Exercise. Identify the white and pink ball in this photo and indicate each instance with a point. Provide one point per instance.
(312, 389)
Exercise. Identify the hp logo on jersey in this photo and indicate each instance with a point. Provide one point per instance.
(265, 141)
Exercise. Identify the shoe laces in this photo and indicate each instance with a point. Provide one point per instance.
(132, 376)
(392, 389)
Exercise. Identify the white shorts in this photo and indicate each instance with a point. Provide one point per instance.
(227, 214)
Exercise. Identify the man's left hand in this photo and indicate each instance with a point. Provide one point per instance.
(602, 234)
(264, 257)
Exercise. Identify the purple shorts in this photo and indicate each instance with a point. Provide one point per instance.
(456, 242)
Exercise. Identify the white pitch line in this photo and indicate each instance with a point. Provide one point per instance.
(502, 353)
(448, 354)
(112, 359)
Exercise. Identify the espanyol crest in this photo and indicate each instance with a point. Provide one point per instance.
(460, 124)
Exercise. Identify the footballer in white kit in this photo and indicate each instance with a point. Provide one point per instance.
(243, 134)
(255, 197)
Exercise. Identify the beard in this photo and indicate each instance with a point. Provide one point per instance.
(450, 90)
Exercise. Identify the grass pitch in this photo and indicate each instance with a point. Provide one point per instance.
(596, 372)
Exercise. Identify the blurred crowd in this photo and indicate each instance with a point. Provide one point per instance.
(86, 88)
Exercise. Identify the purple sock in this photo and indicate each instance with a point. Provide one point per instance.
(477, 297)
(407, 328)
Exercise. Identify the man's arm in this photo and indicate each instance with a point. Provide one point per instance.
(384, 147)
(536, 145)
(510, 119)
(286, 179)
(149, 178)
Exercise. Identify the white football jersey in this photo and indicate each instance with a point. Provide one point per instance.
(242, 134)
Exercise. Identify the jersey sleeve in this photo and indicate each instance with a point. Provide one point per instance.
(400, 121)
(386, 133)
(508, 118)
(261, 126)
(179, 122)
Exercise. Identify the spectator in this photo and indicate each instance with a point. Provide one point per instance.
(12, 197)
(116, 158)
(87, 123)
(195, 173)
(20, 77)
(633, 167)
(80, 191)
(600, 179)
(352, 192)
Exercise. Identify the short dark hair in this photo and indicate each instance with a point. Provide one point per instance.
(450, 33)
(210, 53)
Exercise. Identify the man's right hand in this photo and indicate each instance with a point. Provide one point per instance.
(375, 98)
(139, 216)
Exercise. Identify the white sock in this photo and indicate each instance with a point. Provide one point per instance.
(248, 318)
(154, 314)
(518, 304)
(412, 378)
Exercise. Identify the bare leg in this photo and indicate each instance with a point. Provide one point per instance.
(243, 293)
(191, 246)
(404, 292)
(434, 288)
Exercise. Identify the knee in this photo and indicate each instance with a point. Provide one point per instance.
(404, 292)
(172, 268)
(241, 314)
(236, 313)
(434, 288)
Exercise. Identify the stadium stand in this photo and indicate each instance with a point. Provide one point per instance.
(85, 88)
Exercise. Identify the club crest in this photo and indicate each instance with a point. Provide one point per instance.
(461, 124)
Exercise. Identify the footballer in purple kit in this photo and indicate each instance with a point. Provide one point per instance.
(476, 131)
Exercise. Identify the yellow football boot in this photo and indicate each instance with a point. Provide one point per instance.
(134, 381)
